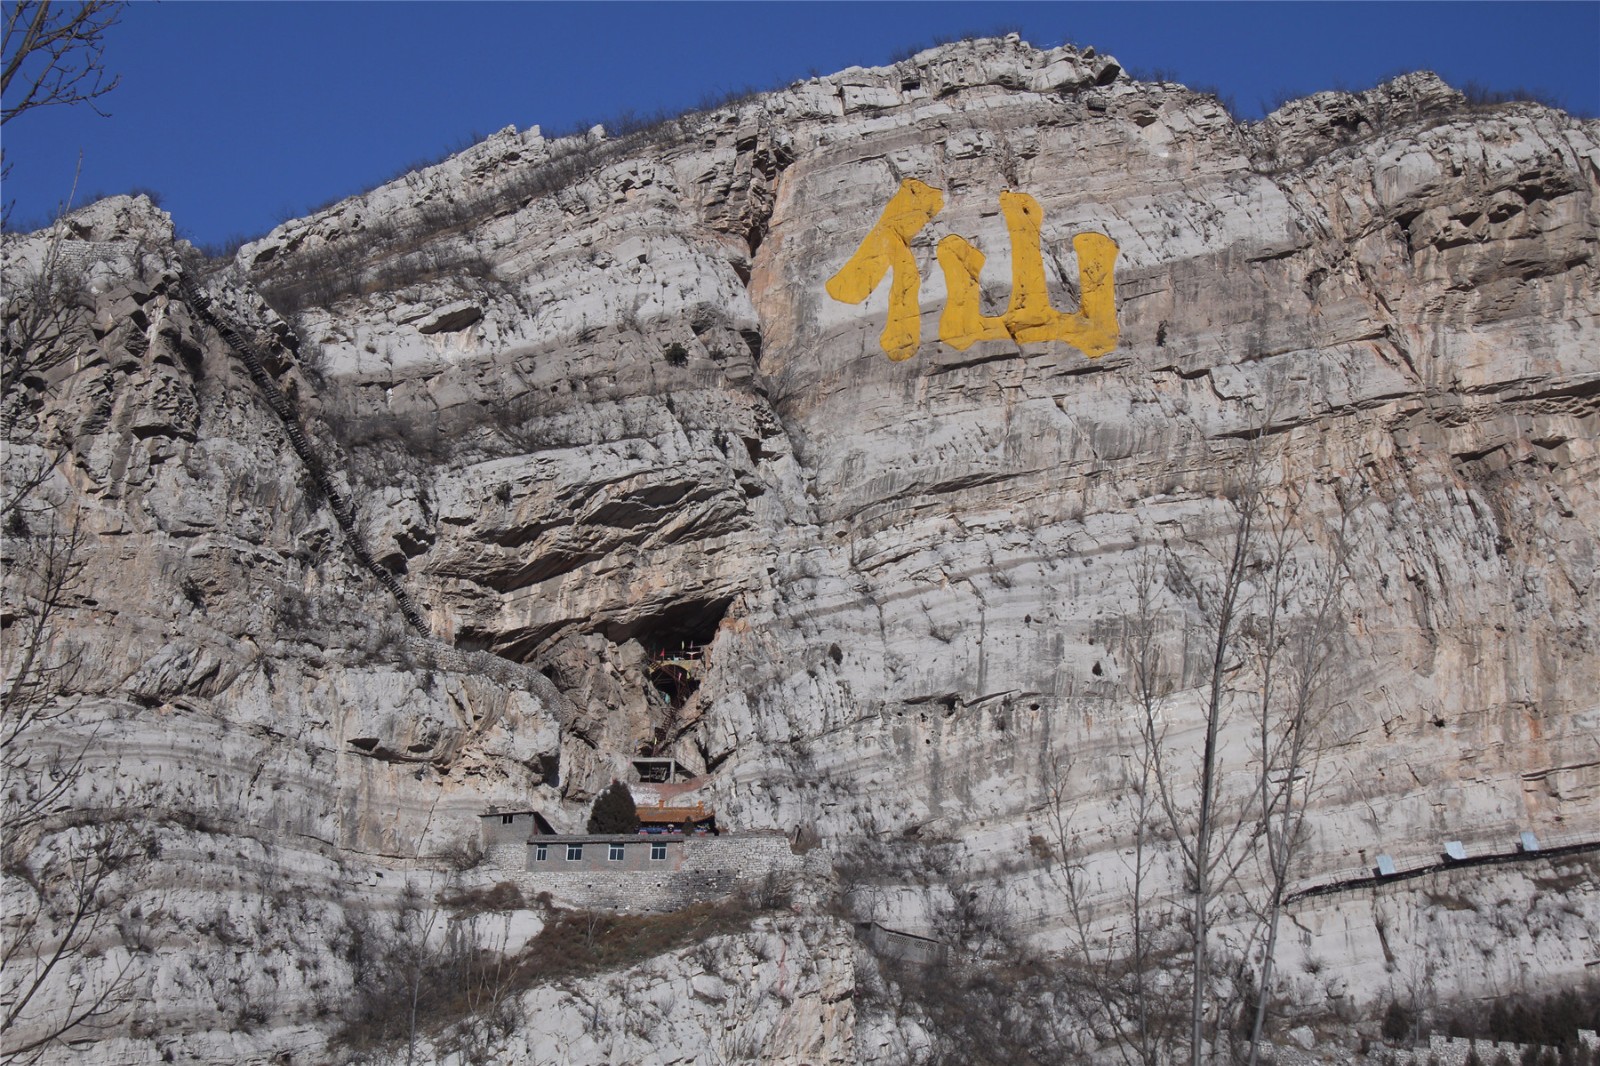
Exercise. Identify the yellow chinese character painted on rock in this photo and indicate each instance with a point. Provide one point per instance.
(888, 248)
(1028, 318)
(1092, 329)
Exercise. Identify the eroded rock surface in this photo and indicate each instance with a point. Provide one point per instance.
(592, 403)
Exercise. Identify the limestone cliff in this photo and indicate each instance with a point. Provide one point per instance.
(580, 402)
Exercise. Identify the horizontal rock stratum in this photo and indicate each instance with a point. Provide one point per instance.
(877, 401)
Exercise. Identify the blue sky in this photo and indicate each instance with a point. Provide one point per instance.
(242, 114)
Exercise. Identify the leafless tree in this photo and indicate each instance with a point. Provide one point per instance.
(1217, 812)
(415, 930)
(54, 54)
(40, 667)
(1268, 630)
(492, 992)
(59, 865)
(59, 916)
(436, 965)
(1296, 660)
(394, 971)
(1203, 832)
(59, 937)
(1118, 971)
(41, 327)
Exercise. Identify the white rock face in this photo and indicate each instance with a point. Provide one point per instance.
(591, 401)
(780, 994)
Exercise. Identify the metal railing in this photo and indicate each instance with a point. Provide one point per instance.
(1478, 854)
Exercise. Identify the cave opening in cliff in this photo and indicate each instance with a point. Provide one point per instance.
(674, 641)
(676, 677)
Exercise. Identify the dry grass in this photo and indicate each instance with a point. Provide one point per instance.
(458, 990)
(578, 943)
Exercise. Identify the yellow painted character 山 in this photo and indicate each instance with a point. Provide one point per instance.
(1092, 329)
(886, 249)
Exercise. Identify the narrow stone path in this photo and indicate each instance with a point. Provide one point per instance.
(1346, 884)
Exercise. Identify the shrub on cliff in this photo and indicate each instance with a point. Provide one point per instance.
(614, 811)
(1397, 1023)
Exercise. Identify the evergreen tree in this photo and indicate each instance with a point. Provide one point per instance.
(614, 811)
(1396, 1022)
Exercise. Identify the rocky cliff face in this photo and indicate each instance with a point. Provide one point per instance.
(590, 400)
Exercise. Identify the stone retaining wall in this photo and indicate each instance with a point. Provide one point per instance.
(510, 857)
(511, 674)
(713, 867)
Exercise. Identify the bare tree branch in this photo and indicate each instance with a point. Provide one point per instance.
(71, 908)
(1224, 796)
(54, 55)
(56, 871)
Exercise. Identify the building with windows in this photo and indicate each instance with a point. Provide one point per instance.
(659, 868)
(511, 827)
(606, 853)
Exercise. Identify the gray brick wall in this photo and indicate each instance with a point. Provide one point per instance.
(637, 856)
(498, 831)
(1454, 1051)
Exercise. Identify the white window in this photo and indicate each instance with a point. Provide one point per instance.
(616, 853)
(658, 850)
(507, 819)
(541, 852)
(574, 852)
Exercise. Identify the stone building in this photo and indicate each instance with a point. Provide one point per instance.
(655, 869)
(511, 827)
(606, 853)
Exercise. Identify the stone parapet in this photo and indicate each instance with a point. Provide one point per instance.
(1455, 1051)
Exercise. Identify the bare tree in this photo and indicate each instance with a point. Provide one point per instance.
(54, 54)
(1267, 632)
(431, 969)
(59, 864)
(1217, 808)
(59, 935)
(47, 568)
(1295, 666)
(392, 969)
(492, 992)
(1118, 970)
(1202, 832)
(59, 923)
(415, 929)
(40, 329)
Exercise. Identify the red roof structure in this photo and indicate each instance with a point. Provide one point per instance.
(663, 815)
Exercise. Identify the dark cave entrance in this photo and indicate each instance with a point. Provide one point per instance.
(676, 675)
(674, 641)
